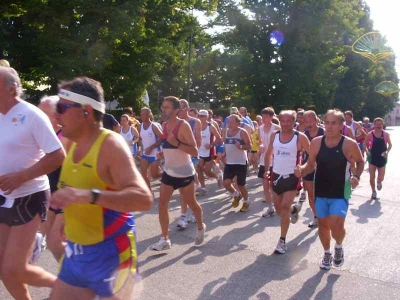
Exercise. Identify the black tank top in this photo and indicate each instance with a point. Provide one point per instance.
(332, 177)
(378, 145)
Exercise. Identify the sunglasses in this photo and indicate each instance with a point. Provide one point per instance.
(63, 107)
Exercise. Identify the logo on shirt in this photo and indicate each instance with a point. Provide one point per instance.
(18, 120)
(283, 153)
(87, 165)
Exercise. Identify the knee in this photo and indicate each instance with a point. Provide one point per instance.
(227, 183)
(163, 205)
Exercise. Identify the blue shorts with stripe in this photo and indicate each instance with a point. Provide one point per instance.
(104, 267)
(326, 207)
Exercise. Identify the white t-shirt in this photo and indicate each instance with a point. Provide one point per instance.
(26, 135)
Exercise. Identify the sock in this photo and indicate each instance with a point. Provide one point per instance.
(270, 205)
(337, 246)
(283, 239)
(328, 251)
(235, 193)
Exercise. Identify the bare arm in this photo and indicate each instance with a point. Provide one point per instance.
(304, 143)
(310, 165)
(215, 132)
(268, 154)
(135, 133)
(188, 144)
(353, 155)
(197, 133)
(247, 140)
(350, 133)
(389, 142)
(367, 142)
(158, 133)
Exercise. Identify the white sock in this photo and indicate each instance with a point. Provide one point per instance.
(328, 251)
(337, 246)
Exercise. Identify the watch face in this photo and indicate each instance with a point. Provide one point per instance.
(96, 191)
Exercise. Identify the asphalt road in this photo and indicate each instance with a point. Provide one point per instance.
(237, 260)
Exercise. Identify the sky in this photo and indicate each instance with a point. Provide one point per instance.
(384, 13)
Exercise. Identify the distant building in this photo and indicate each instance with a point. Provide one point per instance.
(393, 118)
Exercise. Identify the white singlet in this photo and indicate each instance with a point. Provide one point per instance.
(205, 140)
(148, 138)
(128, 137)
(285, 154)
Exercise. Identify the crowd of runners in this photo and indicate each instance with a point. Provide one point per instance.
(71, 175)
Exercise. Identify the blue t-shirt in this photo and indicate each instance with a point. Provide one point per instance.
(246, 120)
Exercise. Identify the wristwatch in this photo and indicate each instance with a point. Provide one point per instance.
(95, 195)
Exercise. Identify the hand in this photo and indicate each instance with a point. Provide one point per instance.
(267, 174)
(385, 154)
(237, 144)
(10, 182)
(160, 154)
(148, 151)
(297, 171)
(172, 140)
(68, 195)
(207, 146)
(354, 182)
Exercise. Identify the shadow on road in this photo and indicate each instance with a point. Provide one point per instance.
(370, 209)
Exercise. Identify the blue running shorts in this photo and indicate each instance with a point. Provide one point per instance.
(326, 207)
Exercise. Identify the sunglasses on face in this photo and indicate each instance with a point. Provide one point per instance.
(63, 107)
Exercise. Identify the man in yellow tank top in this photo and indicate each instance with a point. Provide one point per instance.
(98, 188)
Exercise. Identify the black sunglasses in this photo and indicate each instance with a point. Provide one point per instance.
(63, 107)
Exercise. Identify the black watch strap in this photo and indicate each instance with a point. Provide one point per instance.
(95, 196)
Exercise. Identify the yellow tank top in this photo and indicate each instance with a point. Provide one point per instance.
(255, 140)
(88, 224)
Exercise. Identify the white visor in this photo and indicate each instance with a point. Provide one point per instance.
(65, 94)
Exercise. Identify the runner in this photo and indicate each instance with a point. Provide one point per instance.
(285, 146)
(210, 138)
(254, 158)
(300, 123)
(245, 118)
(266, 130)
(332, 155)
(356, 129)
(367, 125)
(312, 131)
(259, 120)
(378, 145)
(100, 257)
(30, 149)
(237, 142)
(151, 138)
(178, 147)
(188, 217)
(130, 134)
(54, 224)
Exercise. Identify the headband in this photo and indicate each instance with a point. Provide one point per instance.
(78, 98)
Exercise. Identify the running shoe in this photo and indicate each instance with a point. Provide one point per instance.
(245, 206)
(191, 219)
(182, 223)
(295, 217)
(269, 213)
(326, 261)
(202, 192)
(379, 185)
(313, 224)
(37, 249)
(303, 197)
(338, 258)
(373, 196)
(199, 239)
(162, 244)
(236, 198)
(281, 247)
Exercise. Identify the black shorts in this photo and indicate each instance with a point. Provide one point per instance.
(261, 171)
(309, 177)
(377, 160)
(25, 209)
(253, 151)
(176, 182)
(240, 171)
(206, 159)
(284, 183)
(56, 211)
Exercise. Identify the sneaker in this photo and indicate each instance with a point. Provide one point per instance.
(373, 196)
(338, 258)
(236, 198)
(220, 180)
(303, 197)
(191, 219)
(197, 187)
(326, 261)
(379, 185)
(269, 213)
(202, 192)
(199, 239)
(162, 244)
(281, 247)
(37, 248)
(313, 224)
(245, 206)
(295, 217)
(182, 223)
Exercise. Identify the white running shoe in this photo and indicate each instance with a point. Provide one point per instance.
(303, 197)
(182, 223)
(162, 244)
(338, 258)
(201, 192)
(220, 180)
(269, 213)
(199, 239)
(38, 248)
(326, 261)
(191, 219)
(313, 224)
(281, 247)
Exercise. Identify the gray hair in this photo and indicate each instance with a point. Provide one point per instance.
(11, 78)
(51, 100)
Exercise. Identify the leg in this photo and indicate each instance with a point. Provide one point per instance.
(381, 174)
(4, 234)
(267, 191)
(309, 187)
(155, 170)
(277, 202)
(228, 186)
(187, 193)
(166, 192)
(63, 291)
(324, 233)
(15, 262)
(336, 225)
(200, 173)
(208, 169)
(243, 192)
(144, 166)
(286, 207)
(372, 170)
